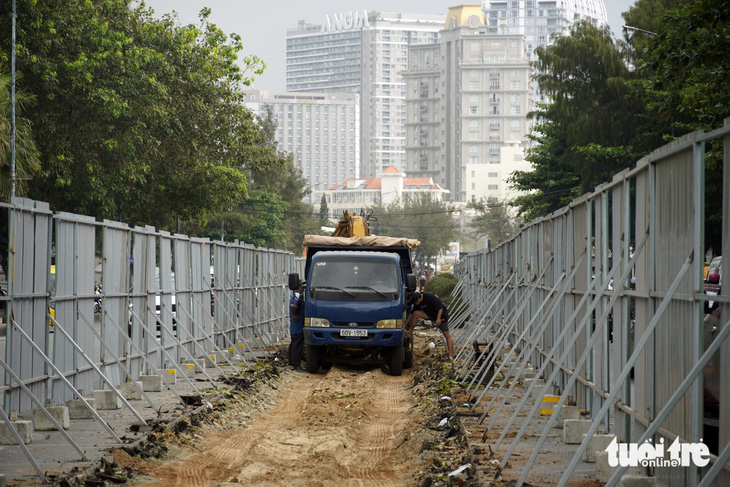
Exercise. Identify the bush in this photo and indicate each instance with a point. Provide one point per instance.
(442, 285)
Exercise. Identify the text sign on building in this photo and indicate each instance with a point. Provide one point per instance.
(346, 21)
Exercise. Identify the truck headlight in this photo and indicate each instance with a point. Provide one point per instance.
(389, 324)
(316, 322)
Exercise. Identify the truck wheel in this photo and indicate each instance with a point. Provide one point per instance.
(311, 357)
(408, 357)
(396, 360)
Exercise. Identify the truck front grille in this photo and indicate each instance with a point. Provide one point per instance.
(346, 324)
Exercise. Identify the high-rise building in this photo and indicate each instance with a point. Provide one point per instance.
(537, 20)
(321, 131)
(466, 103)
(362, 52)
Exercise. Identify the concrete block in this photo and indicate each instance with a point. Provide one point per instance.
(537, 392)
(566, 412)
(574, 429)
(170, 375)
(547, 402)
(78, 410)
(187, 369)
(239, 349)
(24, 429)
(201, 364)
(3, 482)
(131, 391)
(104, 400)
(528, 373)
(210, 360)
(59, 413)
(640, 481)
(604, 471)
(598, 443)
(153, 383)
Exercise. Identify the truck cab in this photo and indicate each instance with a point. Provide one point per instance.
(356, 299)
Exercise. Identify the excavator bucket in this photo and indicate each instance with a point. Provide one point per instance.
(352, 226)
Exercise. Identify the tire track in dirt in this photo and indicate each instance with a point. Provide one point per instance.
(379, 438)
(343, 427)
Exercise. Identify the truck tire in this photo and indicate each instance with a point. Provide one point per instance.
(408, 357)
(311, 357)
(395, 364)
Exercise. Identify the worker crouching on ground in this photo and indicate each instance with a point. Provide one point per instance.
(428, 306)
(296, 326)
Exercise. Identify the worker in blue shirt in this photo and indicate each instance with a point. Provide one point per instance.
(296, 326)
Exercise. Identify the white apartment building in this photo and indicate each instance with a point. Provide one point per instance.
(466, 103)
(362, 52)
(537, 20)
(321, 131)
(356, 195)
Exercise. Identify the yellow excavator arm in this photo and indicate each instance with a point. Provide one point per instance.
(351, 225)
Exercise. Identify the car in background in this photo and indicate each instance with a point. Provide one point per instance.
(713, 281)
(714, 276)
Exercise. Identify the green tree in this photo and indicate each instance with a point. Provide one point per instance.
(141, 118)
(552, 183)
(648, 16)
(589, 130)
(689, 69)
(494, 220)
(421, 217)
(274, 214)
(688, 86)
(285, 180)
(26, 154)
(323, 212)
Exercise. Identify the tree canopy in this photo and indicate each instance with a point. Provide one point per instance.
(688, 66)
(494, 219)
(26, 153)
(274, 214)
(141, 119)
(613, 102)
(421, 217)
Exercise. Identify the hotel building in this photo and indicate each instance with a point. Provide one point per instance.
(321, 131)
(366, 53)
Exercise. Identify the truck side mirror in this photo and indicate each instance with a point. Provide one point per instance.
(411, 282)
(294, 281)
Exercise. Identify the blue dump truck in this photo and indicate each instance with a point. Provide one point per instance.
(356, 299)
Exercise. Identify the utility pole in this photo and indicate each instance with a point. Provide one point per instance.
(12, 106)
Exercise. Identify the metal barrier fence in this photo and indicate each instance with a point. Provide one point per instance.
(162, 301)
(605, 299)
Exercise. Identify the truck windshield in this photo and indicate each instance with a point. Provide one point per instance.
(372, 274)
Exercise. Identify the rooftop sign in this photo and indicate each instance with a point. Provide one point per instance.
(346, 21)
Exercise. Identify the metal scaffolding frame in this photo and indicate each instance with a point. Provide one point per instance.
(561, 293)
(157, 311)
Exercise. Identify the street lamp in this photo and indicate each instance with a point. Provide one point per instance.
(628, 28)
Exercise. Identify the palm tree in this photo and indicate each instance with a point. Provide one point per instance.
(27, 159)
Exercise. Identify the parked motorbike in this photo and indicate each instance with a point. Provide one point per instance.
(97, 298)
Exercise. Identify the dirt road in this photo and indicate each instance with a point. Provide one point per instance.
(347, 426)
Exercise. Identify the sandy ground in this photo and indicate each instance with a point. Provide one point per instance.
(344, 426)
(349, 426)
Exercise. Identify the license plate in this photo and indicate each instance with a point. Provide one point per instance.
(353, 333)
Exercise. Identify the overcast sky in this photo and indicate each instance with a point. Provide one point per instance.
(262, 24)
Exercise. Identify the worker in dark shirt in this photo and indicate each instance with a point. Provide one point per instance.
(428, 306)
